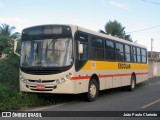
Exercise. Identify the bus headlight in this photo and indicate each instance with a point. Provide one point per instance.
(58, 81)
(62, 80)
(23, 79)
(67, 77)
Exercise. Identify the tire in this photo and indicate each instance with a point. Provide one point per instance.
(131, 87)
(93, 90)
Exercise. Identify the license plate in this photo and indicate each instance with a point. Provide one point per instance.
(40, 87)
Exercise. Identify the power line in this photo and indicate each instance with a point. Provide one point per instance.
(143, 29)
(151, 2)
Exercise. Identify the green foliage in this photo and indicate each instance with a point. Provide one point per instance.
(116, 29)
(6, 38)
(10, 96)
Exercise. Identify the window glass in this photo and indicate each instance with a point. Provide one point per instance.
(119, 52)
(97, 42)
(144, 52)
(144, 59)
(97, 49)
(134, 56)
(82, 38)
(138, 55)
(127, 49)
(110, 55)
(119, 47)
(138, 58)
(138, 51)
(128, 57)
(109, 45)
(84, 55)
(127, 53)
(97, 53)
(110, 50)
(144, 56)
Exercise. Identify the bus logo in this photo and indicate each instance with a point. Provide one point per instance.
(93, 65)
(39, 80)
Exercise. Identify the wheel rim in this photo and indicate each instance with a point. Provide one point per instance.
(93, 91)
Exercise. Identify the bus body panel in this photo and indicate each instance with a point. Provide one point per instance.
(111, 74)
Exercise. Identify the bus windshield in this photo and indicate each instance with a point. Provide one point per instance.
(46, 53)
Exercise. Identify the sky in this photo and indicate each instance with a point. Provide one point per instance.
(134, 15)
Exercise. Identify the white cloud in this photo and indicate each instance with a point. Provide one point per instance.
(14, 21)
(118, 5)
(2, 5)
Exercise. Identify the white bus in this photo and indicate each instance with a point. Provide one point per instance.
(68, 59)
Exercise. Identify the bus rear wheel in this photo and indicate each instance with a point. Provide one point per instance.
(93, 90)
(131, 87)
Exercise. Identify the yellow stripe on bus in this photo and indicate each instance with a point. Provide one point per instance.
(103, 65)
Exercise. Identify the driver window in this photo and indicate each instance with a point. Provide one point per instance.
(82, 38)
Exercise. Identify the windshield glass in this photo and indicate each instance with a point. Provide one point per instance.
(47, 53)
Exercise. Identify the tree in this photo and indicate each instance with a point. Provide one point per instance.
(7, 34)
(116, 29)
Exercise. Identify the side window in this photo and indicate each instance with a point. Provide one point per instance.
(144, 55)
(109, 50)
(127, 53)
(97, 45)
(138, 55)
(134, 54)
(82, 38)
(119, 52)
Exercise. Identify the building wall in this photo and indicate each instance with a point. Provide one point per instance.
(153, 68)
(158, 68)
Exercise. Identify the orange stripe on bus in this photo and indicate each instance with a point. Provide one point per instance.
(105, 76)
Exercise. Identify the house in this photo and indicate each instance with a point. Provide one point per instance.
(153, 64)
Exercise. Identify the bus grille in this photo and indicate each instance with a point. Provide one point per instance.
(42, 81)
(49, 85)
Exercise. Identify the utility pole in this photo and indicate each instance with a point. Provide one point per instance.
(151, 48)
(152, 59)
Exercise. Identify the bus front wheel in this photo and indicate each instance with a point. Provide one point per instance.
(93, 90)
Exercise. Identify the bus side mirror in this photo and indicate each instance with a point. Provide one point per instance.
(80, 48)
(15, 46)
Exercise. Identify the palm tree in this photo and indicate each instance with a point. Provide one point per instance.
(8, 31)
(116, 29)
(7, 34)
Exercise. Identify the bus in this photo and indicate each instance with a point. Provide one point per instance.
(68, 59)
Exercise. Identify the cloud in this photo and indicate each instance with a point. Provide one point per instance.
(2, 5)
(19, 23)
(118, 5)
(12, 20)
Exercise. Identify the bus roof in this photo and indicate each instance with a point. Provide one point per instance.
(96, 33)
